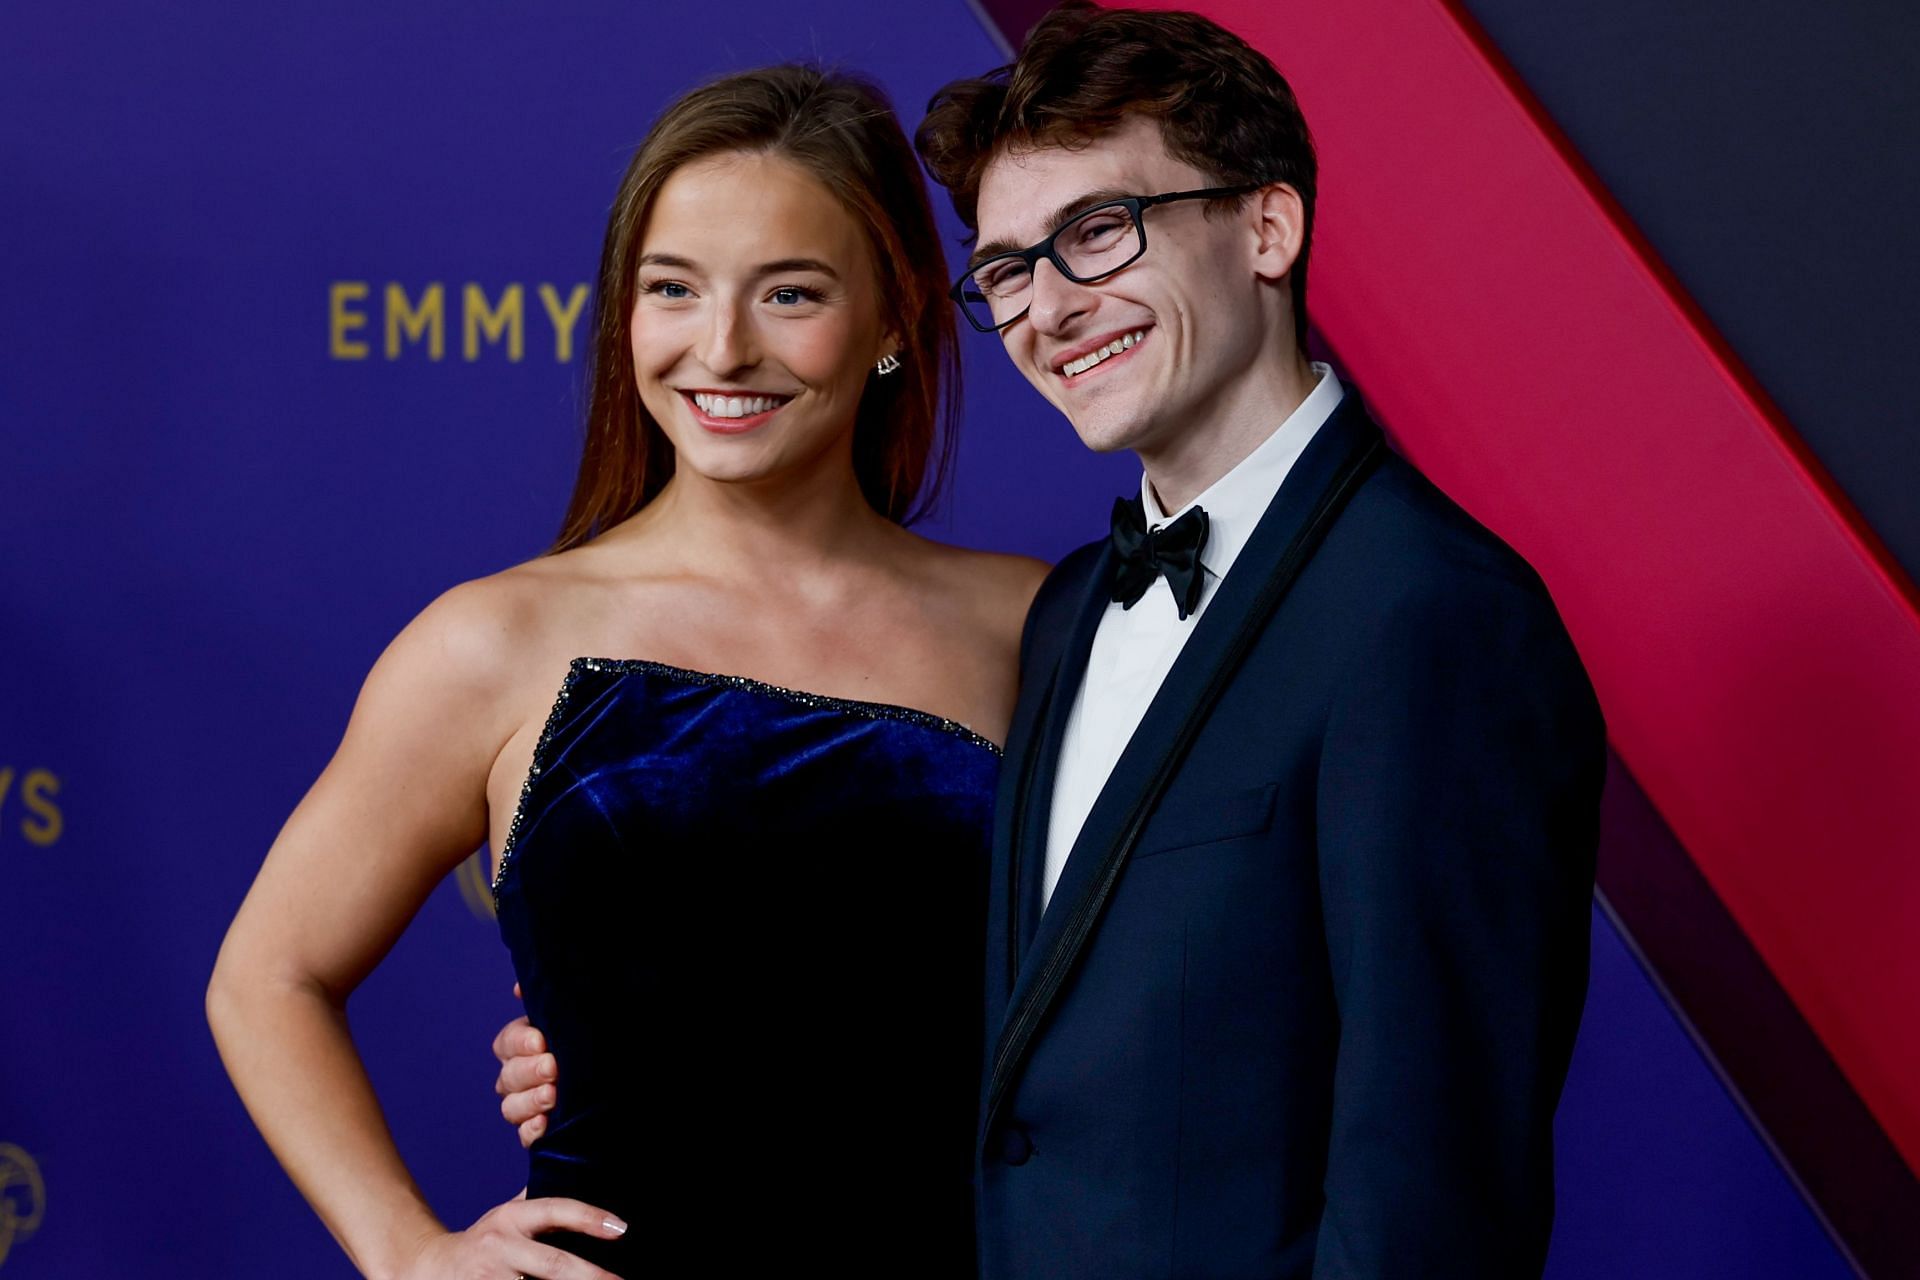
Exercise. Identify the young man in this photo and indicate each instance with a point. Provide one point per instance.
(1291, 888)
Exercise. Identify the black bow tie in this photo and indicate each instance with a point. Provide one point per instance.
(1145, 554)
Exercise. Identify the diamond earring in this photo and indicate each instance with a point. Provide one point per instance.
(887, 364)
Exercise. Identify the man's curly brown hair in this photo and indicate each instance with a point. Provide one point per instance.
(1221, 107)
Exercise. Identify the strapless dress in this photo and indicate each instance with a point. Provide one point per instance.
(750, 922)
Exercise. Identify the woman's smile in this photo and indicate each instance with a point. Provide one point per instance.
(733, 412)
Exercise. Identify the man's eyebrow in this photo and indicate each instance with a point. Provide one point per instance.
(1053, 222)
(777, 267)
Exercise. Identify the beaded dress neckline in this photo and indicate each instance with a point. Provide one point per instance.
(687, 675)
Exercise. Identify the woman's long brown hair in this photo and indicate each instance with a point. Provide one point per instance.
(842, 130)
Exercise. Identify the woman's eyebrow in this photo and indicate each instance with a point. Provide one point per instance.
(781, 265)
(778, 266)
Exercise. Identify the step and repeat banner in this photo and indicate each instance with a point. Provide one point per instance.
(294, 307)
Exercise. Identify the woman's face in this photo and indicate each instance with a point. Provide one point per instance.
(756, 322)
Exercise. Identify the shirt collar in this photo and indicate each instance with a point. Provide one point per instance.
(1235, 502)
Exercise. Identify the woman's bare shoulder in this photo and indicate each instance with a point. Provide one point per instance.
(998, 586)
(483, 624)
(479, 638)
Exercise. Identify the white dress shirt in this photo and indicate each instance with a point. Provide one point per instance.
(1135, 648)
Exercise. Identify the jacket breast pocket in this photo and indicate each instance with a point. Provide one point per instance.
(1201, 818)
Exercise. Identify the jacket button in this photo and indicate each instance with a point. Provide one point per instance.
(1016, 1148)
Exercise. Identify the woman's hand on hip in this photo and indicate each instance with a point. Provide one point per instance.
(501, 1244)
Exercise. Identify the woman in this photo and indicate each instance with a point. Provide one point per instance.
(742, 854)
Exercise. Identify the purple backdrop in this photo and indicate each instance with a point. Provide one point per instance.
(213, 523)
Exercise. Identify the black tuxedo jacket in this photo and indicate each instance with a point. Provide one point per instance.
(1304, 997)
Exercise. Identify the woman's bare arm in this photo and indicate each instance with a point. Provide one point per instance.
(401, 803)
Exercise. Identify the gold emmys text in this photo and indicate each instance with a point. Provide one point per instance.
(42, 822)
(357, 321)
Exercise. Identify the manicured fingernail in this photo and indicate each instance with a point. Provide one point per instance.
(547, 1066)
(614, 1225)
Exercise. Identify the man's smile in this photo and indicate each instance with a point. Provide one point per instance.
(1076, 364)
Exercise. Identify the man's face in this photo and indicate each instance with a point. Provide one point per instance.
(1192, 303)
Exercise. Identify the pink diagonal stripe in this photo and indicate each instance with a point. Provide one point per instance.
(1757, 653)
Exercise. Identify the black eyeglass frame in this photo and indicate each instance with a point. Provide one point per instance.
(1135, 205)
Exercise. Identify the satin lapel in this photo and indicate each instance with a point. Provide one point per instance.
(1035, 803)
(1335, 448)
(1025, 741)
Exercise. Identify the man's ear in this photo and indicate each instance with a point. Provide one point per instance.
(1279, 226)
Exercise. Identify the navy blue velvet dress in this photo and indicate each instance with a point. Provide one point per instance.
(750, 923)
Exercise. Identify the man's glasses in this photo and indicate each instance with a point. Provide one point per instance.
(1094, 245)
